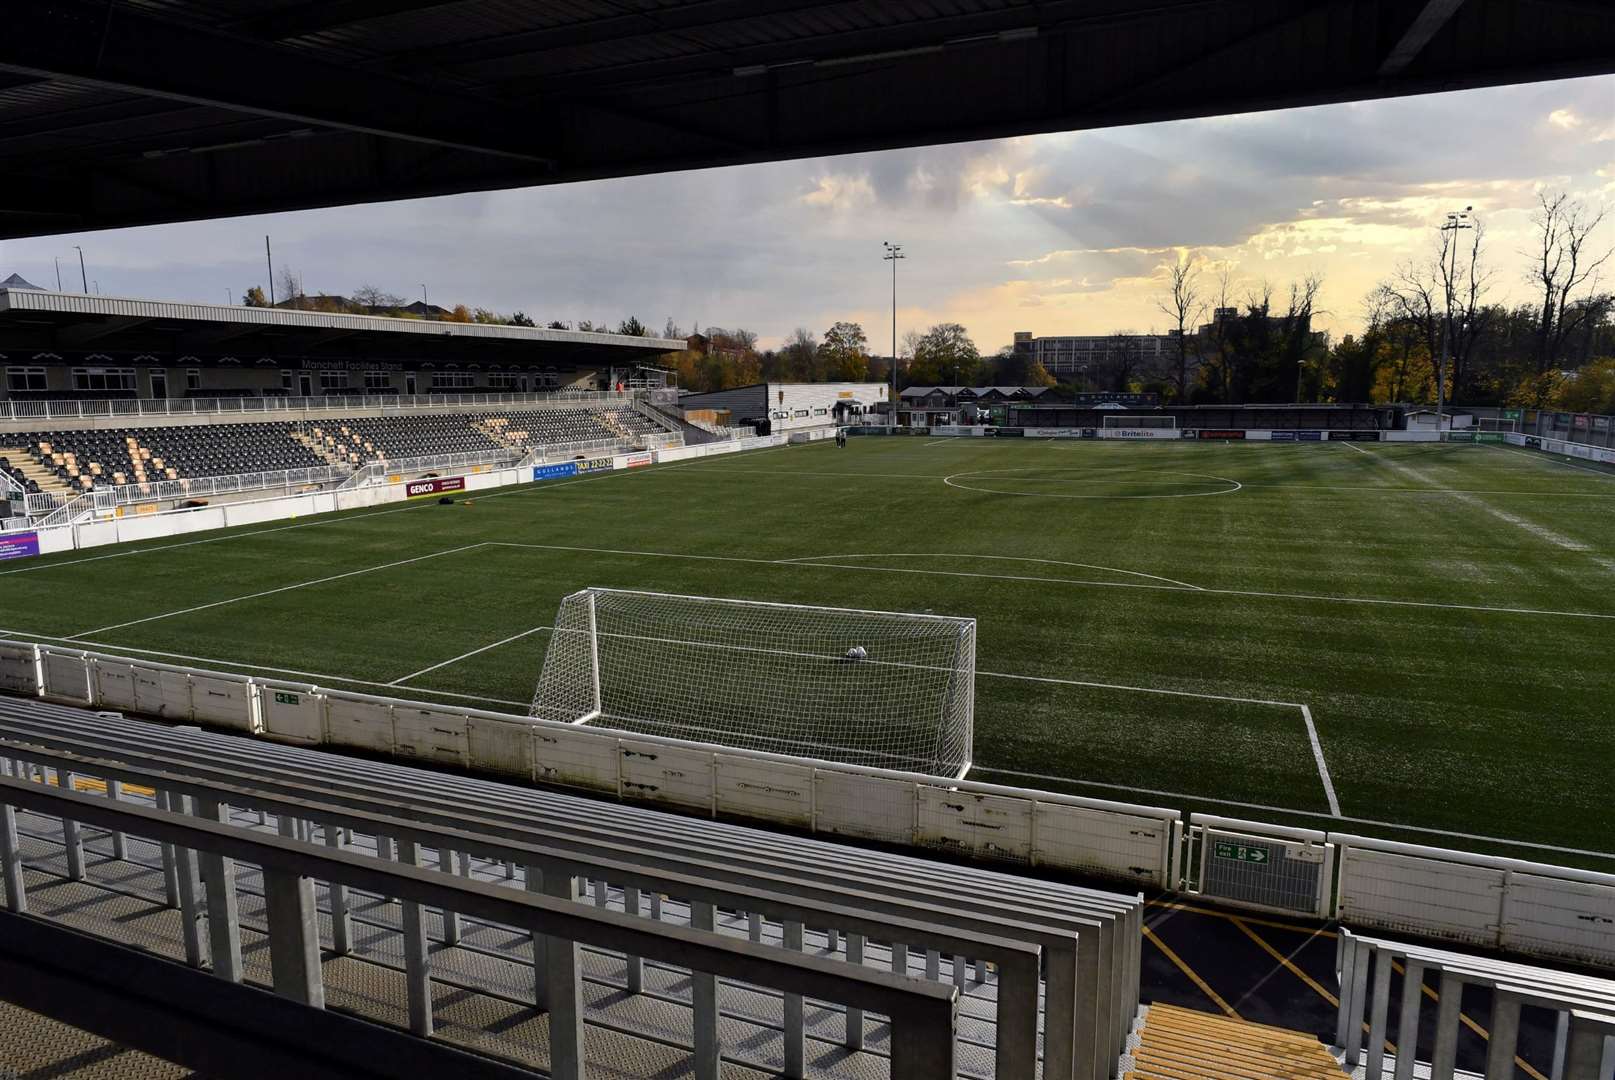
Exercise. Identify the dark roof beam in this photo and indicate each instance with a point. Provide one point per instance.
(74, 337)
(113, 46)
(1426, 24)
(302, 20)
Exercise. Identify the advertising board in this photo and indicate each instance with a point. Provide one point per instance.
(437, 485)
(635, 461)
(19, 545)
(555, 471)
(1222, 433)
(594, 465)
(1354, 436)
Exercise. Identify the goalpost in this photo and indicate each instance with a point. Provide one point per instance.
(878, 688)
(1169, 423)
(1497, 423)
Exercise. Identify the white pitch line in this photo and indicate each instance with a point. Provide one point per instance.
(1323, 767)
(1348, 444)
(1548, 457)
(119, 649)
(469, 655)
(1256, 593)
(998, 558)
(280, 589)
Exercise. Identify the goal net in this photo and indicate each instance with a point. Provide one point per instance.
(874, 688)
(1152, 421)
(1496, 423)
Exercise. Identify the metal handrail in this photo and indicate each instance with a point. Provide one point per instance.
(274, 404)
(923, 1014)
(1585, 1006)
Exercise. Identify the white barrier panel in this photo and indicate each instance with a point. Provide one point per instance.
(1256, 865)
(292, 714)
(682, 453)
(114, 684)
(54, 540)
(359, 723)
(163, 692)
(956, 430)
(1105, 842)
(1532, 908)
(970, 823)
(94, 533)
(656, 772)
(767, 790)
(19, 669)
(1052, 432)
(432, 735)
(574, 758)
(228, 702)
(67, 677)
(871, 807)
(1559, 919)
(499, 746)
(1410, 436)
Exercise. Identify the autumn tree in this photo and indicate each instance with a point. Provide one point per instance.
(944, 356)
(460, 314)
(254, 297)
(844, 353)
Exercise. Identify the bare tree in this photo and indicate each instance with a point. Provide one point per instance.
(1122, 360)
(1562, 267)
(1424, 291)
(1182, 304)
(1220, 351)
(370, 296)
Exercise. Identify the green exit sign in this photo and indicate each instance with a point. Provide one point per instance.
(285, 699)
(1239, 852)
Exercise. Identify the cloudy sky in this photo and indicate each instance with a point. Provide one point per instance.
(1067, 233)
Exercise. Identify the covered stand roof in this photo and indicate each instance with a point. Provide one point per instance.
(143, 111)
(35, 319)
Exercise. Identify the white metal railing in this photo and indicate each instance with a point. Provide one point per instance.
(1583, 1008)
(9, 488)
(230, 406)
(50, 506)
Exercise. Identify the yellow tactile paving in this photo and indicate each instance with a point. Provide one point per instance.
(1182, 1044)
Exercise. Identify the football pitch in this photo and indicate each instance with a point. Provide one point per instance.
(1405, 640)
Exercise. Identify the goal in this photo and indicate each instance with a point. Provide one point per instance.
(1169, 423)
(876, 688)
(1503, 424)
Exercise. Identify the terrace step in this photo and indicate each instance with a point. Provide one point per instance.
(1174, 1043)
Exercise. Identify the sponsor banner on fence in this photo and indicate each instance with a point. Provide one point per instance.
(1053, 432)
(1283, 436)
(1007, 432)
(594, 465)
(419, 489)
(1309, 436)
(19, 545)
(1354, 436)
(556, 471)
(634, 461)
(1222, 433)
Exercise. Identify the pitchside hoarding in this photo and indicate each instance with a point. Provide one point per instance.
(594, 465)
(19, 545)
(1354, 436)
(437, 485)
(556, 471)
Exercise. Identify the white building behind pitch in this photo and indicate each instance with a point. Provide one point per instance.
(792, 406)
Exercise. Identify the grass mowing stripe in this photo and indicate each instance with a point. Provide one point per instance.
(281, 589)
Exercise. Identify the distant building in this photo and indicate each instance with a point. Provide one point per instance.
(1078, 353)
(790, 406)
(17, 281)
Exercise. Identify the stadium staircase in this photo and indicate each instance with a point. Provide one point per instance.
(23, 462)
(1172, 1043)
(694, 435)
(317, 447)
(495, 428)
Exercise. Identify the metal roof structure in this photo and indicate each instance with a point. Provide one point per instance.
(40, 319)
(122, 112)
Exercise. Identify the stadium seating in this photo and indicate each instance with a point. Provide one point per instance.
(79, 460)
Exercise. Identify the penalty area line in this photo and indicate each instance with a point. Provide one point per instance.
(469, 655)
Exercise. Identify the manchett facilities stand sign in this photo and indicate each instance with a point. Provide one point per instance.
(19, 545)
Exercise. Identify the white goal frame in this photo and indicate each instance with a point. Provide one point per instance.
(1154, 420)
(1497, 424)
(760, 675)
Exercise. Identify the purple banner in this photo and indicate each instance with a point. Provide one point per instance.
(19, 545)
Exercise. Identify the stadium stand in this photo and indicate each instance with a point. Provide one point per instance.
(79, 460)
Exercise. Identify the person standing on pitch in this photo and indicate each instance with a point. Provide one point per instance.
(841, 437)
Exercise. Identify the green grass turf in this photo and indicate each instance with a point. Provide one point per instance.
(1477, 697)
